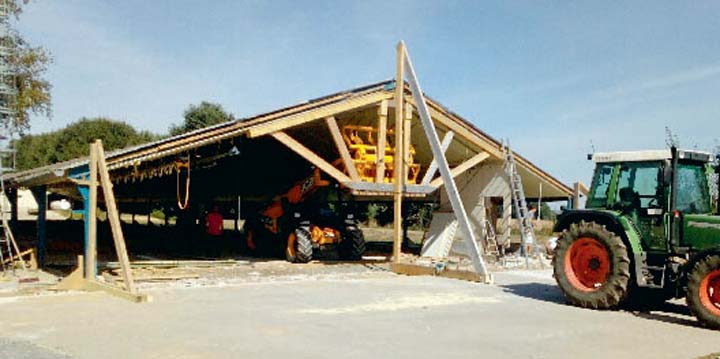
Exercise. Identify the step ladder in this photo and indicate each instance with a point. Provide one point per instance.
(527, 233)
(491, 244)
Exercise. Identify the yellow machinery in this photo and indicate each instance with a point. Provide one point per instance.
(362, 144)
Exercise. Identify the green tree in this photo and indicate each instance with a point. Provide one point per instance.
(200, 116)
(73, 140)
(28, 65)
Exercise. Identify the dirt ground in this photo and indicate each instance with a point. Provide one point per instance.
(274, 309)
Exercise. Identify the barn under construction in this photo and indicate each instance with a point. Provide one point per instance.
(345, 140)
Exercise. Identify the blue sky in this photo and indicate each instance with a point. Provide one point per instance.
(552, 76)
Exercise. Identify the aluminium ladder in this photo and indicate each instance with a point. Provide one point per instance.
(8, 246)
(527, 233)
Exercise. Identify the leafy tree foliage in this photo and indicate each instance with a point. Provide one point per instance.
(73, 140)
(199, 116)
(29, 65)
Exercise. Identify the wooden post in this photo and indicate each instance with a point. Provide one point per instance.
(576, 195)
(381, 142)
(91, 249)
(399, 154)
(114, 219)
(40, 194)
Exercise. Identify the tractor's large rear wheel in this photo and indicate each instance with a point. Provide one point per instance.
(592, 266)
(703, 295)
(299, 246)
(352, 245)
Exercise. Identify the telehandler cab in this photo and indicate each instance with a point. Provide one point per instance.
(649, 233)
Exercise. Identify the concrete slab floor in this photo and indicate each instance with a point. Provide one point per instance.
(370, 315)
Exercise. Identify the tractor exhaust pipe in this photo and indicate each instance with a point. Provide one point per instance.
(717, 183)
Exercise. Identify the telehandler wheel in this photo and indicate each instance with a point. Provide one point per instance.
(352, 246)
(299, 246)
(703, 296)
(591, 266)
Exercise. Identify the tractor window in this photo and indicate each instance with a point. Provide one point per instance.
(638, 185)
(692, 189)
(600, 184)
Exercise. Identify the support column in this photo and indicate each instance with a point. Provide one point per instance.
(12, 196)
(40, 194)
(85, 193)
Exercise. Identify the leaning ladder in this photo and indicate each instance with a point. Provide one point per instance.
(8, 246)
(527, 233)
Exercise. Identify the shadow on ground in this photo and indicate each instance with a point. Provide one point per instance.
(667, 312)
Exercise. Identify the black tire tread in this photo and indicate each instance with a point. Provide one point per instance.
(353, 243)
(615, 290)
(303, 246)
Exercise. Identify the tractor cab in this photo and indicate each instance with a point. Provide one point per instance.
(651, 189)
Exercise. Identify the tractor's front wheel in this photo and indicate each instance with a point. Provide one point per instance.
(592, 266)
(299, 246)
(703, 295)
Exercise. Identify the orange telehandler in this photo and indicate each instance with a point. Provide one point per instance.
(300, 230)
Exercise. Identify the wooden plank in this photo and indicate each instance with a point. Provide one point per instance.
(432, 169)
(389, 187)
(114, 219)
(381, 142)
(342, 148)
(92, 285)
(91, 250)
(318, 113)
(414, 269)
(316, 160)
(472, 162)
(399, 179)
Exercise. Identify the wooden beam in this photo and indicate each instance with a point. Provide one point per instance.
(414, 269)
(381, 142)
(399, 179)
(342, 148)
(460, 130)
(317, 113)
(316, 160)
(407, 135)
(432, 169)
(93, 285)
(91, 249)
(460, 169)
(457, 125)
(114, 219)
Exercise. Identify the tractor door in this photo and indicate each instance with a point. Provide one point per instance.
(641, 197)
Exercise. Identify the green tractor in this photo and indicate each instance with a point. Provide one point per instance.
(650, 232)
